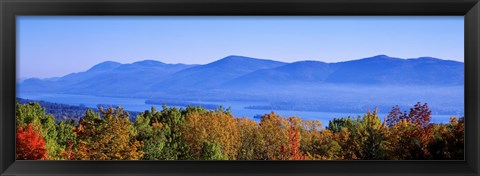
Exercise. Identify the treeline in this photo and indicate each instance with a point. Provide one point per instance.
(63, 112)
(195, 133)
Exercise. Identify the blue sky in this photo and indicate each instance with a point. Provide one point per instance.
(52, 46)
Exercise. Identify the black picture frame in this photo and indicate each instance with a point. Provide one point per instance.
(9, 9)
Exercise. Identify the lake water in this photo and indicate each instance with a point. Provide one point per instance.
(238, 110)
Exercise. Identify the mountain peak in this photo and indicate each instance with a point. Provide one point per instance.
(149, 63)
(381, 55)
(105, 66)
(379, 58)
(108, 63)
(236, 57)
(233, 59)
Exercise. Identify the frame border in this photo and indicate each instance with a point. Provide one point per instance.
(9, 9)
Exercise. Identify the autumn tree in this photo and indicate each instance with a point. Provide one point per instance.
(371, 135)
(111, 137)
(337, 124)
(151, 134)
(43, 123)
(291, 150)
(405, 140)
(306, 140)
(419, 114)
(310, 133)
(67, 139)
(345, 134)
(410, 133)
(274, 129)
(250, 139)
(170, 123)
(328, 148)
(204, 127)
(457, 126)
(66, 133)
(212, 151)
(448, 140)
(29, 144)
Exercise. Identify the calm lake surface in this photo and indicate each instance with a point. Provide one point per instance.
(238, 110)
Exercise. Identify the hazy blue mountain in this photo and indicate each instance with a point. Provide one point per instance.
(106, 78)
(215, 73)
(297, 72)
(384, 70)
(376, 71)
(35, 84)
(152, 78)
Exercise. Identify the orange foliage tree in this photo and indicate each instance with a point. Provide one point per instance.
(294, 142)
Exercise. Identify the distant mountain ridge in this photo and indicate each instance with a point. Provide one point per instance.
(106, 77)
(149, 77)
(376, 70)
(383, 70)
(216, 73)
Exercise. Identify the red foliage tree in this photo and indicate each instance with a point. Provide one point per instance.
(294, 137)
(30, 145)
(419, 117)
(419, 114)
(291, 151)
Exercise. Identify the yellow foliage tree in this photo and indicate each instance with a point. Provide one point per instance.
(250, 140)
(108, 138)
(275, 136)
(211, 126)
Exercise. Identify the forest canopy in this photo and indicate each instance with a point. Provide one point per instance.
(195, 133)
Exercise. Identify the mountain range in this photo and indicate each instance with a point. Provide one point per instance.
(150, 78)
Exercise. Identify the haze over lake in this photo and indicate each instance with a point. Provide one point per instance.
(137, 104)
